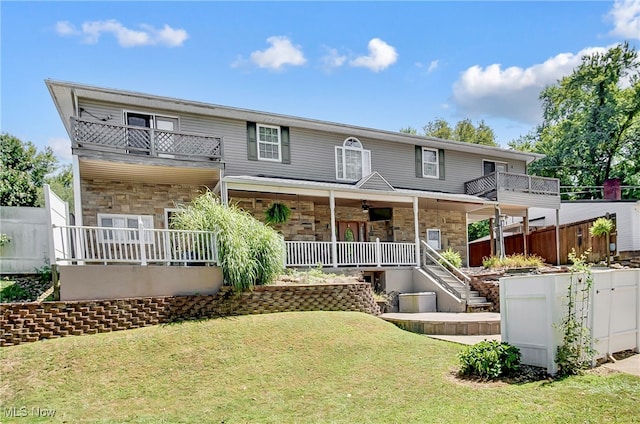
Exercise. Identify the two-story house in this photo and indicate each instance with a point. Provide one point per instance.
(359, 196)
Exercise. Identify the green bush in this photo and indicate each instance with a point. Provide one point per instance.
(250, 253)
(10, 291)
(453, 257)
(600, 227)
(489, 359)
(4, 239)
(517, 260)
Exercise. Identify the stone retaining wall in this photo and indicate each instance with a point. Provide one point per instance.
(30, 322)
(489, 289)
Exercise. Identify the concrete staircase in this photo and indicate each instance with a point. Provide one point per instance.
(475, 302)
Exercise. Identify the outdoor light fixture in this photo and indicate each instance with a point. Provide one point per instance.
(365, 207)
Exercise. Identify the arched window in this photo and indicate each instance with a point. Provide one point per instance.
(352, 161)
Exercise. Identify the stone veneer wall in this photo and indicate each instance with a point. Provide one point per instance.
(30, 322)
(300, 227)
(452, 225)
(489, 289)
(107, 196)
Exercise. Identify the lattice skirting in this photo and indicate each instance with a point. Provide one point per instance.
(30, 322)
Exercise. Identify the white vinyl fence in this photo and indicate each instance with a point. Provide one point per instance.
(533, 307)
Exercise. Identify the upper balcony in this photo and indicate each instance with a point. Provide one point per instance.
(142, 141)
(507, 187)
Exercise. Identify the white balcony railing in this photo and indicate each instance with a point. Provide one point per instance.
(134, 245)
(143, 141)
(357, 254)
(495, 181)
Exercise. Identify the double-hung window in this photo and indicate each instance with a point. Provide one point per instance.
(352, 161)
(269, 143)
(430, 164)
(125, 227)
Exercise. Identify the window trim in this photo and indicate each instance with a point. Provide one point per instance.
(153, 115)
(127, 238)
(258, 141)
(363, 152)
(439, 237)
(495, 162)
(437, 163)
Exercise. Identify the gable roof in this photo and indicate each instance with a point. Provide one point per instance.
(374, 181)
(65, 95)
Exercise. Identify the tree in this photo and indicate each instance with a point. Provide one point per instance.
(409, 130)
(478, 229)
(464, 130)
(591, 126)
(438, 128)
(61, 183)
(23, 171)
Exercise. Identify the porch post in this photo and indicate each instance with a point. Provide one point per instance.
(77, 193)
(416, 229)
(525, 231)
(499, 236)
(334, 240)
(224, 195)
(558, 237)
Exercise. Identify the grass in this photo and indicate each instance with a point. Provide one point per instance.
(290, 367)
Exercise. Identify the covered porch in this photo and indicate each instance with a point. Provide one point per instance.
(367, 224)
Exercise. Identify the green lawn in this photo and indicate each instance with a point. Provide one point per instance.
(280, 368)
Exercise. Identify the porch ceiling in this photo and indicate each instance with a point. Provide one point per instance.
(160, 174)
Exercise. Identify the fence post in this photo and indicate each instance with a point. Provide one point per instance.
(152, 142)
(143, 253)
(284, 252)
(378, 252)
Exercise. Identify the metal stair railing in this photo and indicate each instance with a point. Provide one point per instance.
(431, 255)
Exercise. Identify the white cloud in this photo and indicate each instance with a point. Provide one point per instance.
(381, 56)
(61, 148)
(281, 53)
(625, 16)
(433, 66)
(512, 92)
(146, 36)
(65, 28)
(332, 59)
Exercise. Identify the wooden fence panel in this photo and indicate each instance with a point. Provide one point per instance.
(542, 242)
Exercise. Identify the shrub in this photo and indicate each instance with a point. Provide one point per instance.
(11, 292)
(453, 257)
(516, 260)
(601, 226)
(250, 253)
(4, 239)
(489, 359)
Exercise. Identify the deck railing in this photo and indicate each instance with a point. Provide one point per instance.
(135, 245)
(432, 256)
(356, 254)
(516, 182)
(135, 140)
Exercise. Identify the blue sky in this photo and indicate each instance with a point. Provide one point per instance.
(383, 65)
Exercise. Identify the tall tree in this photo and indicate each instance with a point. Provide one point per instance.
(591, 127)
(463, 130)
(22, 172)
(61, 183)
(438, 128)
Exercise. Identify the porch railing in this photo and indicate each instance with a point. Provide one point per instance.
(510, 181)
(377, 253)
(135, 140)
(135, 245)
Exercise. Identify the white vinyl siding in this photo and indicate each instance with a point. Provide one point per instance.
(269, 143)
(430, 163)
(352, 161)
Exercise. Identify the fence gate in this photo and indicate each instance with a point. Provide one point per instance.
(57, 214)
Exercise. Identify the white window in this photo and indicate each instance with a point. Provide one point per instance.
(269, 143)
(430, 164)
(433, 238)
(352, 161)
(127, 227)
